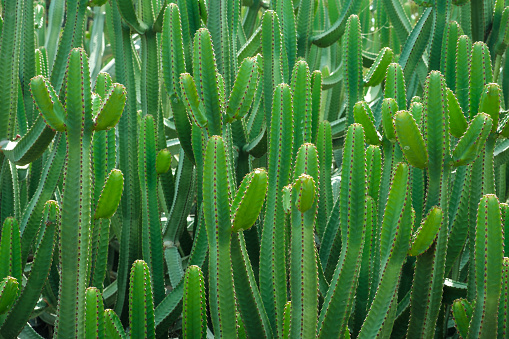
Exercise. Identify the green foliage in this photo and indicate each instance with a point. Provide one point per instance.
(254, 168)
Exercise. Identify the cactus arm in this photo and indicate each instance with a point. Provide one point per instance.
(352, 48)
(31, 146)
(27, 51)
(49, 178)
(22, 309)
(363, 115)
(416, 43)
(243, 91)
(410, 139)
(272, 250)
(216, 208)
(458, 124)
(128, 13)
(426, 234)
(190, 95)
(193, 314)
(377, 71)
(249, 200)
(9, 287)
(395, 235)
(111, 109)
(249, 300)
(471, 144)
(112, 325)
(141, 305)
(303, 267)
(339, 299)
(336, 31)
(48, 103)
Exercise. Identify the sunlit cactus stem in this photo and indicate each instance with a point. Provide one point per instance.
(78, 123)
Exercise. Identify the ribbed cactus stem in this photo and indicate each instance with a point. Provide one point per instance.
(76, 201)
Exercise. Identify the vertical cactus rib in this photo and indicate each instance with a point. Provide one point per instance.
(128, 164)
(301, 83)
(174, 63)
(272, 51)
(463, 55)
(429, 271)
(216, 209)
(193, 313)
(75, 202)
(141, 304)
(303, 256)
(94, 314)
(207, 80)
(9, 51)
(272, 248)
(10, 250)
(353, 68)
(339, 299)
(395, 236)
(324, 147)
(480, 75)
(488, 261)
(152, 244)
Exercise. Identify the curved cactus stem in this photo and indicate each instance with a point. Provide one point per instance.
(272, 248)
(25, 303)
(395, 236)
(339, 299)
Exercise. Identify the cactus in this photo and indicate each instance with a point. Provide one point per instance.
(380, 172)
(79, 125)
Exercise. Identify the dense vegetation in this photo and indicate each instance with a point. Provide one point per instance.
(255, 168)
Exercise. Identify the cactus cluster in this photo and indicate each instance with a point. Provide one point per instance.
(245, 169)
